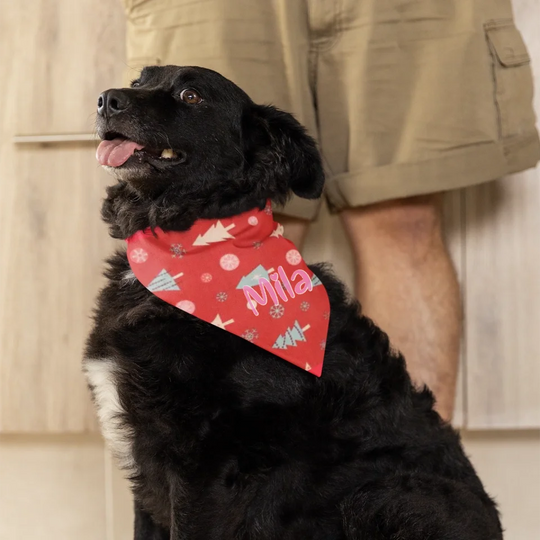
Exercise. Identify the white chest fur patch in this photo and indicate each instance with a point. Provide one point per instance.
(101, 377)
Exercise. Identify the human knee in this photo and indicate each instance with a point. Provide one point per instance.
(415, 220)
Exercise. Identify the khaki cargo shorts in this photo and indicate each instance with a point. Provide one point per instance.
(404, 97)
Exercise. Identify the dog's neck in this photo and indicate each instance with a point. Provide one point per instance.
(126, 211)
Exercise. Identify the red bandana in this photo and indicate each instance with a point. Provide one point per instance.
(241, 275)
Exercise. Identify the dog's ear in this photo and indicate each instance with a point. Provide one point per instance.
(277, 142)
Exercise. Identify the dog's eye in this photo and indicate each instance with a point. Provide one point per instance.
(190, 96)
(135, 83)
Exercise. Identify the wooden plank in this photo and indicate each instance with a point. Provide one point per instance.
(56, 138)
(508, 463)
(503, 284)
(67, 54)
(502, 303)
(120, 505)
(52, 251)
(51, 488)
(51, 239)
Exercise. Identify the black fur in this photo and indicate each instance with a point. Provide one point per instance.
(230, 442)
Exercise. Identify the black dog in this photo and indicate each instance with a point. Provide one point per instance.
(223, 440)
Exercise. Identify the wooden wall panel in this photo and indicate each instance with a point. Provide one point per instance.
(67, 53)
(52, 488)
(503, 284)
(62, 54)
(52, 254)
(120, 505)
(56, 56)
(503, 303)
(508, 463)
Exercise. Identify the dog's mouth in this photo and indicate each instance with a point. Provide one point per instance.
(115, 150)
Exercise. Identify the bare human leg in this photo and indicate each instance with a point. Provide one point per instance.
(408, 286)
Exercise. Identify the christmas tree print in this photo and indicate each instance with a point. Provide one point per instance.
(278, 231)
(315, 281)
(220, 323)
(291, 336)
(164, 282)
(253, 277)
(216, 233)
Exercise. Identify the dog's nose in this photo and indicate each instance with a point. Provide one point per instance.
(112, 102)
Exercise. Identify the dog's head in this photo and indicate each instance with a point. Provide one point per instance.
(185, 143)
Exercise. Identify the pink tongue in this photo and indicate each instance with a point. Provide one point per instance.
(116, 152)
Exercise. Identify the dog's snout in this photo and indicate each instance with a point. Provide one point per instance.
(112, 102)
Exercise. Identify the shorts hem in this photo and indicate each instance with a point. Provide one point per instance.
(305, 209)
(457, 169)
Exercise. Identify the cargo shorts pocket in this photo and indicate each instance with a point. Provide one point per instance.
(512, 78)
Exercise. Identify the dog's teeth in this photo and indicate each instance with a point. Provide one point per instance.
(168, 153)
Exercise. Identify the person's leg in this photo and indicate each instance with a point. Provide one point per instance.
(400, 115)
(295, 229)
(408, 286)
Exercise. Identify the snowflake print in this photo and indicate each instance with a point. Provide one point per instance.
(257, 245)
(326, 315)
(229, 262)
(253, 220)
(268, 209)
(304, 306)
(177, 250)
(293, 257)
(138, 255)
(186, 305)
(206, 278)
(322, 344)
(277, 312)
(251, 334)
(221, 296)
